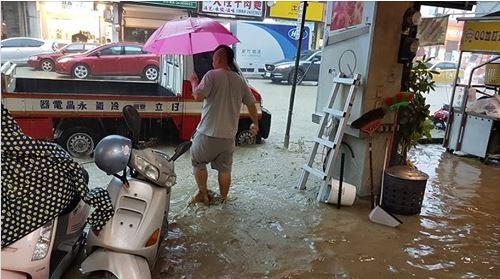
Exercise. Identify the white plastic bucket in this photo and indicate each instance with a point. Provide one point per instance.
(348, 194)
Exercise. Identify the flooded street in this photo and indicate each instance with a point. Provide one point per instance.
(268, 229)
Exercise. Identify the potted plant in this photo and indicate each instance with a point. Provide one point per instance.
(414, 119)
(404, 185)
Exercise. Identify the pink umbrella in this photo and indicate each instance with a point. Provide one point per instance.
(189, 36)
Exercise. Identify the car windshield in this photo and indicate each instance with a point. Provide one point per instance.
(65, 47)
(305, 54)
(90, 50)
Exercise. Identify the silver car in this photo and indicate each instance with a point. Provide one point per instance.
(283, 70)
(19, 49)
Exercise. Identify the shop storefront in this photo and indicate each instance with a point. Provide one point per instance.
(140, 19)
(67, 21)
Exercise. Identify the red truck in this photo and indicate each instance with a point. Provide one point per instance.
(78, 113)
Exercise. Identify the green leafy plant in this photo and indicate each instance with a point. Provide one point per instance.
(414, 120)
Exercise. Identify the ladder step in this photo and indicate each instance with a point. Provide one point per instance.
(339, 87)
(324, 142)
(346, 81)
(313, 171)
(334, 112)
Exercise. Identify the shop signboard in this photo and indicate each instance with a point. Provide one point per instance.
(481, 36)
(432, 31)
(290, 10)
(174, 4)
(247, 9)
(66, 9)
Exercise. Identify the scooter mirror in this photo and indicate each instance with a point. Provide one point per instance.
(181, 149)
(133, 121)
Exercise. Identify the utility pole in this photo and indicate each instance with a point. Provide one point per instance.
(302, 18)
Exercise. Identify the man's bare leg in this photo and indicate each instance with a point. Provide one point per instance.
(201, 177)
(224, 183)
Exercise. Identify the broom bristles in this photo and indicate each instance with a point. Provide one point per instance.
(368, 117)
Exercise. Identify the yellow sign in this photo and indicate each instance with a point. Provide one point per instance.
(290, 9)
(481, 36)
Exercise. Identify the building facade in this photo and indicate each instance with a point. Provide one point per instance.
(105, 21)
(20, 19)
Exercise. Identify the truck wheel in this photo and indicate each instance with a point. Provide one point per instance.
(78, 141)
(81, 71)
(245, 137)
(151, 73)
(47, 65)
(300, 77)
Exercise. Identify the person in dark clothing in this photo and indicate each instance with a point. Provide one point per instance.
(39, 181)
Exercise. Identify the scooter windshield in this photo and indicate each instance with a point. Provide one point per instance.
(154, 166)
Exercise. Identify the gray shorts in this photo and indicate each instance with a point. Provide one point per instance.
(216, 151)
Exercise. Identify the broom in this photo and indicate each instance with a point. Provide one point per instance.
(369, 123)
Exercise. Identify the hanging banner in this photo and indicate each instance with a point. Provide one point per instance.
(432, 31)
(481, 36)
(299, 21)
(236, 8)
(346, 14)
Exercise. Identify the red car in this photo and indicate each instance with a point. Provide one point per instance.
(115, 59)
(46, 61)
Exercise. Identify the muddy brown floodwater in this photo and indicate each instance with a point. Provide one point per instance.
(268, 229)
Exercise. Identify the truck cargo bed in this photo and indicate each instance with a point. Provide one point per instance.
(91, 87)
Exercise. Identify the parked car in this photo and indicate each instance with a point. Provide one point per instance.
(115, 59)
(19, 49)
(284, 70)
(447, 72)
(46, 62)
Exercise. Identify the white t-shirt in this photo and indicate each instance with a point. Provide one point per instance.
(224, 92)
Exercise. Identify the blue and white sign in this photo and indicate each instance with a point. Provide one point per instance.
(294, 33)
(262, 43)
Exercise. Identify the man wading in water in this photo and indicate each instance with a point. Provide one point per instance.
(222, 91)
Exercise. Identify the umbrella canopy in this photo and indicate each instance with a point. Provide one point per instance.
(189, 36)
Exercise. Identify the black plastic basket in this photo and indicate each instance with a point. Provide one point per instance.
(404, 189)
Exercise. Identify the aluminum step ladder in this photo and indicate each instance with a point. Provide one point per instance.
(331, 140)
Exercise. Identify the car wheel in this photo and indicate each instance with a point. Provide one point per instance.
(440, 124)
(151, 73)
(81, 71)
(245, 137)
(275, 80)
(78, 141)
(300, 76)
(47, 65)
